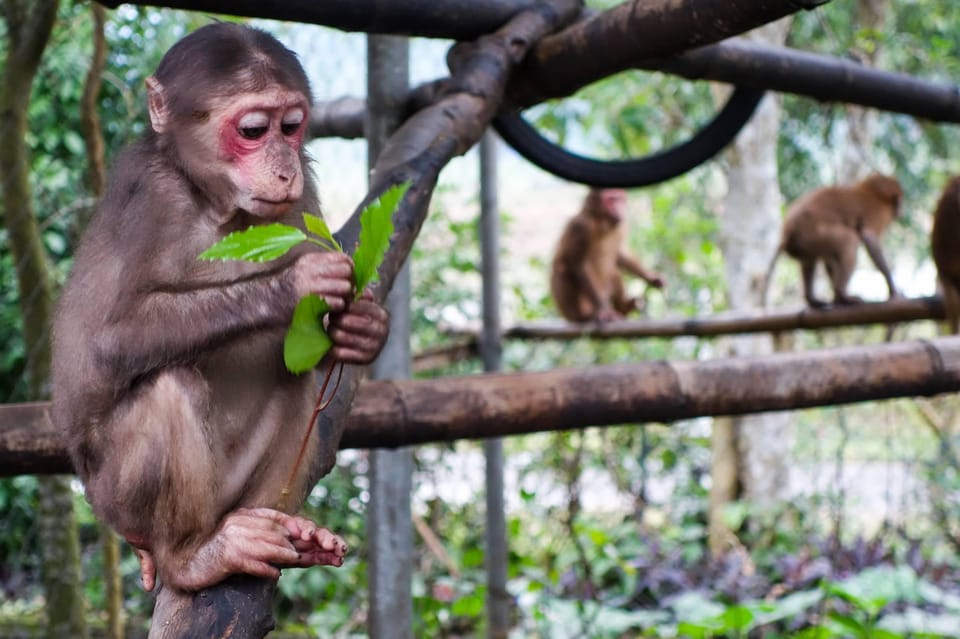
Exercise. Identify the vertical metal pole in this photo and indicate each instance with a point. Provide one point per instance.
(498, 599)
(389, 529)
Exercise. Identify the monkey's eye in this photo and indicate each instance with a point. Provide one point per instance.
(254, 125)
(291, 121)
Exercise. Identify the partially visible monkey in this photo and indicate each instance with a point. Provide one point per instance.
(585, 280)
(945, 247)
(828, 225)
(168, 374)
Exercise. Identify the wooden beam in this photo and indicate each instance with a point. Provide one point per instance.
(627, 35)
(888, 312)
(407, 412)
(457, 19)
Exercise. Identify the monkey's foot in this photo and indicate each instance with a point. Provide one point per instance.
(148, 568)
(847, 300)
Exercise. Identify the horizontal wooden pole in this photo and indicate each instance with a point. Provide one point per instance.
(391, 413)
(814, 75)
(457, 19)
(887, 312)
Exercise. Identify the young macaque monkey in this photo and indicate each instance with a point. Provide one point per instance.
(945, 246)
(585, 278)
(168, 374)
(828, 225)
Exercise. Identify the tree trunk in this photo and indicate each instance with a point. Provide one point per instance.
(749, 234)
(28, 29)
(857, 159)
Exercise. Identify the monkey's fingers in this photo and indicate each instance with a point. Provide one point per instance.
(318, 557)
(299, 527)
(326, 548)
(363, 314)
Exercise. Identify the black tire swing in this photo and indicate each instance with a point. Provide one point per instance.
(654, 168)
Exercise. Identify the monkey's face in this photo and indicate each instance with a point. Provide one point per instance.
(243, 151)
(612, 206)
(259, 138)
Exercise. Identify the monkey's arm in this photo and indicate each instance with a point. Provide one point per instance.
(872, 244)
(168, 324)
(632, 265)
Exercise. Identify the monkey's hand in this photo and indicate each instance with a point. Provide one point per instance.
(328, 274)
(317, 546)
(359, 332)
(656, 280)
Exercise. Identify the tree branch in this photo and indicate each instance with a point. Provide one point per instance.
(887, 312)
(457, 19)
(625, 36)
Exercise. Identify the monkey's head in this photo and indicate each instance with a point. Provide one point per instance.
(229, 105)
(886, 189)
(607, 205)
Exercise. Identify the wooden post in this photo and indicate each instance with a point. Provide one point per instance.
(498, 599)
(389, 529)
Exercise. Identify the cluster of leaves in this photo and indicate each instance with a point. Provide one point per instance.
(306, 341)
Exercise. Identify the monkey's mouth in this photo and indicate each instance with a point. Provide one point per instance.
(270, 208)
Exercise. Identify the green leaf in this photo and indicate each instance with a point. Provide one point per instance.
(376, 227)
(737, 618)
(306, 342)
(256, 244)
(318, 226)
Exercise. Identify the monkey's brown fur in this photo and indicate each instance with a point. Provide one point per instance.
(168, 374)
(945, 247)
(586, 281)
(828, 225)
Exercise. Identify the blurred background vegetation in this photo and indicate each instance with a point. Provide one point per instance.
(607, 527)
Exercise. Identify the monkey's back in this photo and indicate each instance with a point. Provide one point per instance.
(945, 237)
(830, 217)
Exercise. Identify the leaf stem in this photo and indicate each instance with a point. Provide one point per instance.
(327, 244)
(319, 406)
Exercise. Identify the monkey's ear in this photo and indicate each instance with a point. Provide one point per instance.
(157, 105)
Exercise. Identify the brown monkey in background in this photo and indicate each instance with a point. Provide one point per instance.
(585, 279)
(945, 247)
(829, 223)
(168, 374)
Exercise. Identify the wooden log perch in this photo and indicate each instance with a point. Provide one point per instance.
(457, 19)
(887, 312)
(631, 33)
(392, 413)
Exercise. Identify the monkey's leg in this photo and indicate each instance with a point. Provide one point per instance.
(951, 305)
(622, 303)
(807, 270)
(840, 268)
(872, 244)
(166, 491)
